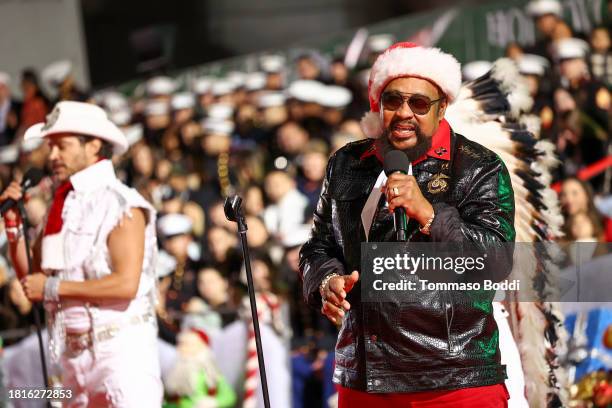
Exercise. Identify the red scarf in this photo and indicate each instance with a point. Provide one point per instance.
(55, 222)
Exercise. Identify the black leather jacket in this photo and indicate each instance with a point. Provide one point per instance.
(440, 343)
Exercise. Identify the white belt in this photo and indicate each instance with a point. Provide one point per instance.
(76, 343)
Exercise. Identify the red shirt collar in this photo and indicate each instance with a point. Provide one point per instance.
(440, 146)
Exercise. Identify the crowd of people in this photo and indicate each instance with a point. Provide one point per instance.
(267, 135)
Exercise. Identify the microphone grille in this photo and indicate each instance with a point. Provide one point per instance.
(32, 177)
(396, 160)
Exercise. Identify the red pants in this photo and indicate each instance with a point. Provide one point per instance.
(492, 396)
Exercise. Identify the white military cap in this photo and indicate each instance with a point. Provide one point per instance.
(539, 8)
(271, 99)
(220, 111)
(9, 154)
(166, 264)
(305, 90)
(333, 96)
(120, 117)
(134, 133)
(114, 100)
(531, 64)
(161, 85)
(174, 224)
(296, 237)
(118, 108)
(570, 48)
(183, 100)
(217, 126)
(57, 72)
(80, 118)
(272, 63)
(380, 42)
(475, 69)
(223, 87)
(154, 108)
(5, 78)
(202, 85)
(237, 78)
(255, 81)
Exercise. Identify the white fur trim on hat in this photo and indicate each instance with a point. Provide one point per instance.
(372, 124)
(431, 64)
(409, 60)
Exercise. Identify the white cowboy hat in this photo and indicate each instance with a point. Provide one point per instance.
(79, 118)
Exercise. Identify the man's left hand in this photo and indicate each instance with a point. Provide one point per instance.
(403, 190)
(34, 286)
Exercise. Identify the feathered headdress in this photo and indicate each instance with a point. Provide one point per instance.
(490, 111)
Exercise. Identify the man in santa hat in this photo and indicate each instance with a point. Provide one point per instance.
(93, 266)
(436, 351)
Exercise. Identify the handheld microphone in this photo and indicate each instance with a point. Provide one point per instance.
(396, 161)
(30, 179)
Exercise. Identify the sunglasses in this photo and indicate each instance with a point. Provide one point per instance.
(418, 104)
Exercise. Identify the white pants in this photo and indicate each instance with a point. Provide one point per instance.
(123, 372)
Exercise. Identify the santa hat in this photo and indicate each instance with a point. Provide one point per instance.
(407, 59)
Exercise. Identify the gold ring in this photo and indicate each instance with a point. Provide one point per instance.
(395, 191)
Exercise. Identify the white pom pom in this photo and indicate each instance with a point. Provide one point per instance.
(371, 124)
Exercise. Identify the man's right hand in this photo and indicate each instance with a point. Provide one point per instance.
(334, 296)
(14, 192)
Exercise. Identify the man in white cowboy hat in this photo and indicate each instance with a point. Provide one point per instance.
(93, 264)
(431, 350)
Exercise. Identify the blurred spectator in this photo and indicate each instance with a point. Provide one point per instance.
(15, 311)
(222, 253)
(513, 51)
(257, 234)
(287, 205)
(215, 290)
(339, 72)
(546, 14)
(582, 220)
(291, 140)
(180, 286)
(308, 68)
(10, 110)
(561, 31)
(583, 105)
(35, 102)
(534, 68)
(254, 201)
(60, 76)
(313, 164)
(600, 60)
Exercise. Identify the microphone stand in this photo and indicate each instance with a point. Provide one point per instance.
(35, 306)
(235, 214)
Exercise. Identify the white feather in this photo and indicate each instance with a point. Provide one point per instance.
(466, 117)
